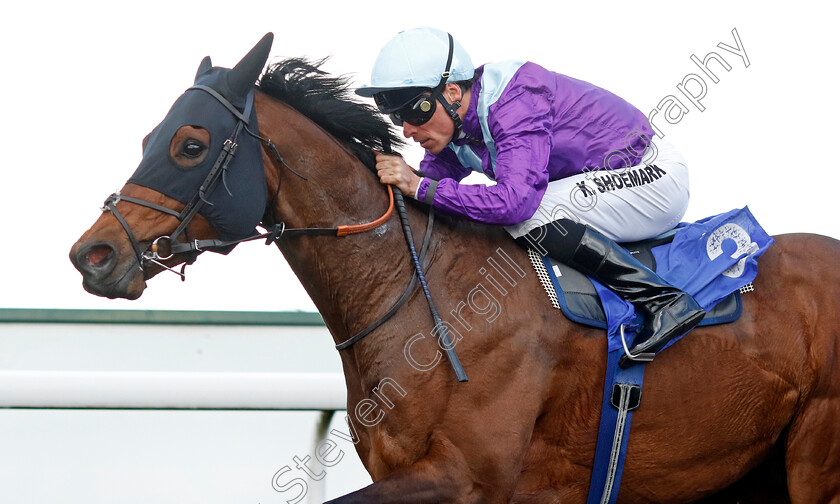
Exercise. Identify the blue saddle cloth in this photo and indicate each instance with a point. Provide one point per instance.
(711, 259)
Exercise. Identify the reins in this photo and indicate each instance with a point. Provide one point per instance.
(277, 231)
(402, 299)
(445, 342)
(217, 172)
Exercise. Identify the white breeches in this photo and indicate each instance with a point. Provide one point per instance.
(627, 204)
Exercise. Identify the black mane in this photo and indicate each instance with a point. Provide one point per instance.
(328, 102)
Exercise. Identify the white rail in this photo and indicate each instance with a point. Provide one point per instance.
(172, 390)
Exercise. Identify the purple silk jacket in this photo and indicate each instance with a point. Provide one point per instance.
(545, 126)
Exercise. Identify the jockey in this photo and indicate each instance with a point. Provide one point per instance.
(576, 168)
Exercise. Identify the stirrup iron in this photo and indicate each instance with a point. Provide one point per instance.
(639, 357)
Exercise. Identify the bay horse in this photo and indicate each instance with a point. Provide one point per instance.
(744, 412)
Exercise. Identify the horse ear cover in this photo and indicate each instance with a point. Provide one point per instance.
(204, 67)
(242, 77)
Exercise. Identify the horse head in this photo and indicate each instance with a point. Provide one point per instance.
(201, 178)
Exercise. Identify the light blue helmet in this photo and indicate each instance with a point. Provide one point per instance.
(417, 58)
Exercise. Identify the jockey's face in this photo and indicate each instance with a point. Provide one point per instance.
(436, 134)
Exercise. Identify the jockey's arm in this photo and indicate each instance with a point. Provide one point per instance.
(523, 146)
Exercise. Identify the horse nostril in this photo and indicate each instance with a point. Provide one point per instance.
(94, 261)
(98, 254)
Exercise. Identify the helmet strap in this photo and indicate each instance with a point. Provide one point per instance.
(451, 108)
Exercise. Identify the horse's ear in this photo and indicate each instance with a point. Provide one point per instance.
(204, 67)
(245, 73)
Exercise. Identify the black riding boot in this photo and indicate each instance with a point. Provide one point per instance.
(668, 311)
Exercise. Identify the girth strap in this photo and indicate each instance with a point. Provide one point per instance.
(622, 396)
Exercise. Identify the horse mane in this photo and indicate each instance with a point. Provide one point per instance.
(328, 102)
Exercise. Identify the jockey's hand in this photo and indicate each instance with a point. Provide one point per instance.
(394, 170)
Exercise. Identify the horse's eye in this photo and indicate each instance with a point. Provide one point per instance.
(193, 149)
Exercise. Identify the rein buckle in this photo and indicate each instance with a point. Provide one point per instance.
(230, 146)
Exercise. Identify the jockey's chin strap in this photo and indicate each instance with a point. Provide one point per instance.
(450, 108)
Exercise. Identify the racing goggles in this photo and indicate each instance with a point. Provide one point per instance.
(417, 113)
(411, 105)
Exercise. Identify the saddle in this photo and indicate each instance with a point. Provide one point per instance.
(573, 293)
(714, 260)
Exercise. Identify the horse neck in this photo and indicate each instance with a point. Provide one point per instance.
(350, 279)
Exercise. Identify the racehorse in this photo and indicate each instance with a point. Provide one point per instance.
(724, 411)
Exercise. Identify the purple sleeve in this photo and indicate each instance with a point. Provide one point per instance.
(444, 165)
(520, 123)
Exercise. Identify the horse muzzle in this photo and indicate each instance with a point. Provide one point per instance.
(106, 271)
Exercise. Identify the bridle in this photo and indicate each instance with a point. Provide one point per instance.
(274, 233)
(170, 242)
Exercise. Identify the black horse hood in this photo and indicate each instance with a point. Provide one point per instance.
(236, 204)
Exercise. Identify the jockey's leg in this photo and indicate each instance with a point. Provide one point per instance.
(669, 312)
(581, 217)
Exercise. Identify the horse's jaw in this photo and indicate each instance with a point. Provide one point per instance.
(124, 287)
